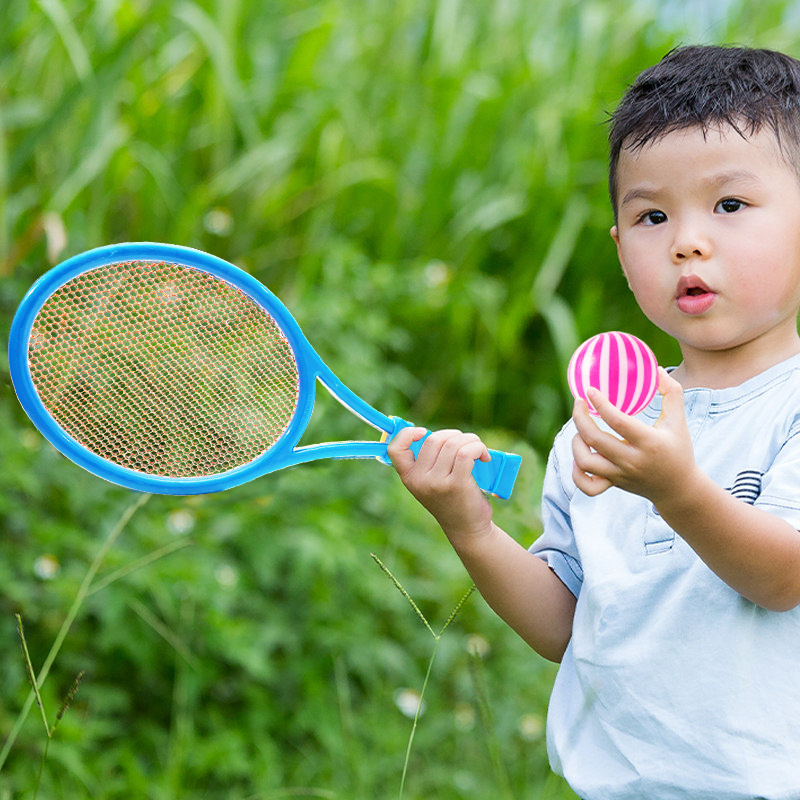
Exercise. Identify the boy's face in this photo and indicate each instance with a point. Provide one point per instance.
(708, 235)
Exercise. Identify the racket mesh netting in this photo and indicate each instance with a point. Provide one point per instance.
(163, 369)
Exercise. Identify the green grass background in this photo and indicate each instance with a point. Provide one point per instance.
(423, 184)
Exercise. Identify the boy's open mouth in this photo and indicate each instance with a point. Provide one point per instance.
(693, 296)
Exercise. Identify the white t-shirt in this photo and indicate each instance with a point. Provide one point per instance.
(673, 685)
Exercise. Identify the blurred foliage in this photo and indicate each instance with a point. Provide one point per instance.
(423, 184)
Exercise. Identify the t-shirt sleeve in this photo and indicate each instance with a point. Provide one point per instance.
(780, 484)
(557, 545)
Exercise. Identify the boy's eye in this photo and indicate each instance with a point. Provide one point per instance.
(653, 217)
(729, 205)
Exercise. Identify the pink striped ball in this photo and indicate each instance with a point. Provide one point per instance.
(621, 366)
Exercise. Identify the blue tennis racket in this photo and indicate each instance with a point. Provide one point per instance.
(165, 369)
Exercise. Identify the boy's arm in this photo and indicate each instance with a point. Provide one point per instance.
(519, 586)
(753, 551)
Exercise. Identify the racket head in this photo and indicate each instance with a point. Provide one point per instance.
(297, 355)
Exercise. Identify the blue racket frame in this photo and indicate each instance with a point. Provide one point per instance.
(496, 477)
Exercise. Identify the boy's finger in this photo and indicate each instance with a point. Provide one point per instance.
(399, 449)
(588, 482)
(626, 426)
(589, 460)
(456, 453)
(470, 450)
(432, 448)
(590, 485)
(606, 443)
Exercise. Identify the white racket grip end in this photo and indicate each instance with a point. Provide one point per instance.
(496, 477)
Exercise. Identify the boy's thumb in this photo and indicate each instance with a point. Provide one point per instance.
(399, 449)
(671, 394)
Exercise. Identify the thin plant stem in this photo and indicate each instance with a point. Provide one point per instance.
(41, 768)
(31, 673)
(82, 593)
(459, 606)
(405, 594)
(144, 561)
(64, 706)
(177, 644)
(436, 638)
(487, 723)
(417, 715)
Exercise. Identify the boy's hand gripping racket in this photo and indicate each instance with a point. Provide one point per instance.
(168, 370)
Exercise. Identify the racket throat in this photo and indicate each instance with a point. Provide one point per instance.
(355, 405)
(351, 449)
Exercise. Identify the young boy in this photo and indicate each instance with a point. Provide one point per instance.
(667, 579)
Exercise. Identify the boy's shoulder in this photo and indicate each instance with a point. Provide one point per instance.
(775, 391)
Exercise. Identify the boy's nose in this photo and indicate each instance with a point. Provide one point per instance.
(682, 253)
(690, 245)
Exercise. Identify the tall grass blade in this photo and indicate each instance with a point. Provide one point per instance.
(31, 674)
(476, 671)
(77, 603)
(169, 636)
(95, 162)
(558, 256)
(224, 65)
(109, 67)
(73, 44)
(139, 563)
(417, 714)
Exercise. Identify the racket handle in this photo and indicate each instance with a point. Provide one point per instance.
(495, 477)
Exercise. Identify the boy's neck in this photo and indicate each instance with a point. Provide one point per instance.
(711, 369)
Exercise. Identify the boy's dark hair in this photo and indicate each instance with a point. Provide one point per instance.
(707, 86)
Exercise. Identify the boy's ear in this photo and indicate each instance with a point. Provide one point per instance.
(615, 236)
